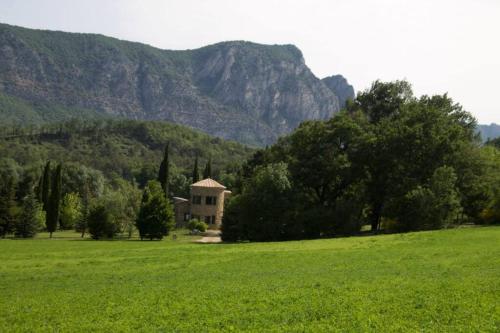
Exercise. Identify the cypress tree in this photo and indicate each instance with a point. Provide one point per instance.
(54, 204)
(8, 206)
(207, 173)
(196, 173)
(163, 175)
(46, 183)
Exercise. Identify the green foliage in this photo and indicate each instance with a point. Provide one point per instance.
(156, 215)
(164, 173)
(8, 205)
(71, 211)
(54, 203)
(196, 174)
(207, 173)
(391, 156)
(97, 150)
(197, 225)
(122, 200)
(264, 206)
(433, 281)
(46, 186)
(31, 219)
(100, 223)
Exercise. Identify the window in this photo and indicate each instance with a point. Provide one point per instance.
(196, 200)
(210, 219)
(211, 201)
(186, 216)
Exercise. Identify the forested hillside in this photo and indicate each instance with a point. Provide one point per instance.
(126, 149)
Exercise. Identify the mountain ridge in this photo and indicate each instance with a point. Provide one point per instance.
(238, 90)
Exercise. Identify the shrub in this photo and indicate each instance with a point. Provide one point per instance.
(31, 219)
(101, 224)
(197, 225)
(156, 215)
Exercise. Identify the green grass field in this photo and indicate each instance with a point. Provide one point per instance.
(443, 281)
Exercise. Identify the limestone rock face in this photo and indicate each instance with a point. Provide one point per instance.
(238, 90)
(340, 87)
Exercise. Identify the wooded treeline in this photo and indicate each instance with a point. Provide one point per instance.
(389, 160)
(102, 166)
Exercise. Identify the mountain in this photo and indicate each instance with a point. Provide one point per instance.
(490, 131)
(340, 87)
(237, 90)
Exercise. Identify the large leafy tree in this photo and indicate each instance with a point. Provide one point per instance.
(261, 212)
(156, 215)
(71, 211)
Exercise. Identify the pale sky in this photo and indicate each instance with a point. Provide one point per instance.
(438, 45)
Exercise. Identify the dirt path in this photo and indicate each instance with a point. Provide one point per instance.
(209, 237)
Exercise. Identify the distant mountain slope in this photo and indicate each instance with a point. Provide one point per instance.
(237, 90)
(490, 131)
(340, 87)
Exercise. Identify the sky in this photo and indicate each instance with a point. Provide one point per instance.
(439, 46)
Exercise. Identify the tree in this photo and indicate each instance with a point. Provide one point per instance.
(207, 173)
(31, 219)
(100, 223)
(163, 175)
(54, 204)
(433, 206)
(8, 205)
(262, 211)
(122, 201)
(156, 215)
(81, 225)
(196, 173)
(71, 211)
(46, 185)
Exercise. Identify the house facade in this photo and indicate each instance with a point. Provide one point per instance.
(206, 203)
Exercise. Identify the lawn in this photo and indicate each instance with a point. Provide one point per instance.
(429, 281)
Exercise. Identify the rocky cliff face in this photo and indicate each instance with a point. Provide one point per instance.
(236, 90)
(340, 87)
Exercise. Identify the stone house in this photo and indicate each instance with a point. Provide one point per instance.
(206, 203)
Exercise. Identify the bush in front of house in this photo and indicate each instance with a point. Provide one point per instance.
(197, 225)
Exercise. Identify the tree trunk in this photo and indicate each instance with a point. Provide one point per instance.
(375, 217)
(83, 233)
(50, 233)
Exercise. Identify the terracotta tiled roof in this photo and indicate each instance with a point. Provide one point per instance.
(208, 183)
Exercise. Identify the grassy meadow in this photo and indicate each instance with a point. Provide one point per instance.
(439, 281)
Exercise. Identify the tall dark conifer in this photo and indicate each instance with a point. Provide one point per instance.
(196, 173)
(7, 206)
(46, 184)
(163, 175)
(39, 190)
(54, 205)
(207, 173)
